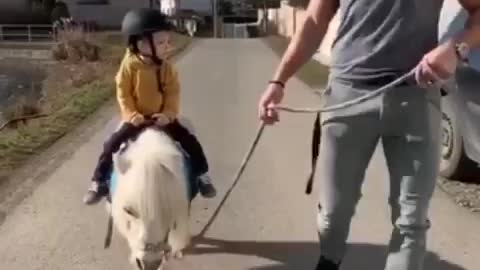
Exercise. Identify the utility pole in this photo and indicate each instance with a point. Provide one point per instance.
(215, 18)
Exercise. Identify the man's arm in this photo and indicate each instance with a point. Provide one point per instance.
(471, 34)
(306, 41)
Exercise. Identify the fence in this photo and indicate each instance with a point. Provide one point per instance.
(27, 33)
(234, 30)
(240, 26)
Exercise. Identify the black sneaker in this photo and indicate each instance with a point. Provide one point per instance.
(206, 187)
(95, 193)
(325, 264)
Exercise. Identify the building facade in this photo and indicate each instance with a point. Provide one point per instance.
(105, 13)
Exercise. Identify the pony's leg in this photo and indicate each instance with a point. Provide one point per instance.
(108, 207)
(163, 266)
(179, 236)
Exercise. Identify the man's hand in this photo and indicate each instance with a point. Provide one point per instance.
(304, 44)
(437, 66)
(272, 96)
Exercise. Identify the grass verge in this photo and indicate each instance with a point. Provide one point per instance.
(71, 92)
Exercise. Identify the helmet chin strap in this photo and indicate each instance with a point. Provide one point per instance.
(158, 62)
(154, 55)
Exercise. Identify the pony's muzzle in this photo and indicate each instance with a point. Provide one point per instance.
(148, 265)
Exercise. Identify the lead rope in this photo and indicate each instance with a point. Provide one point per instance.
(239, 173)
(316, 138)
(109, 233)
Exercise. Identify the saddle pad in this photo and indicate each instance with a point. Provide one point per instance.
(192, 182)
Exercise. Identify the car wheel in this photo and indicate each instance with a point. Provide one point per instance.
(454, 162)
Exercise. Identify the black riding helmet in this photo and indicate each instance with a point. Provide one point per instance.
(142, 23)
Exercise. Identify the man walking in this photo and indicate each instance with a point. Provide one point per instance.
(377, 41)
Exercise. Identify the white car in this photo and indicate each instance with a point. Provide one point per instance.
(461, 107)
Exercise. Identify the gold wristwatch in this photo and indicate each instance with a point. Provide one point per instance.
(462, 50)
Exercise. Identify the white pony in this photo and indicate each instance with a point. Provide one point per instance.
(150, 202)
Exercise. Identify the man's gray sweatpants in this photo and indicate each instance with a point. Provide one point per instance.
(407, 120)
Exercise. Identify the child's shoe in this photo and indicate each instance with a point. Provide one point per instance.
(325, 264)
(206, 187)
(95, 193)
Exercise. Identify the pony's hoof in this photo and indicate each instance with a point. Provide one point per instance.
(166, 257)
(177, 255)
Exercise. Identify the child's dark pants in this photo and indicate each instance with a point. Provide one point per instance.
(129, 131)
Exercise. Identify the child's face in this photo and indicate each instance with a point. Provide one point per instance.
(161, 41)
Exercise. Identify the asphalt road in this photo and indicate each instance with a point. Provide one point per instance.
(267, 223)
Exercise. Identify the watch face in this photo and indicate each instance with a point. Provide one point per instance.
(463, 49)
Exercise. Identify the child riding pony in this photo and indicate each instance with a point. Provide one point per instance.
(147, 89)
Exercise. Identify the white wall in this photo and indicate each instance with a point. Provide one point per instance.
(111, 15)
(203, 6)
(105, 15)
(13, 5)
(15, 11)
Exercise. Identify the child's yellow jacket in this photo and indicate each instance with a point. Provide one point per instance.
(138, 92)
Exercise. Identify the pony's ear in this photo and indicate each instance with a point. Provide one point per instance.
(121, 163)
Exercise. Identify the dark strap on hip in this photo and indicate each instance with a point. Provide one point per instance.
(316, 135)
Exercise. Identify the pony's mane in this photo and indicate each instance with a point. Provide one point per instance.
(154, 178)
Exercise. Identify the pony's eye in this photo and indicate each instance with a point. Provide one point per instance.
(130, 212)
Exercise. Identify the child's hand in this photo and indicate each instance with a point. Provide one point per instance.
(161, 119)
(137, 120)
